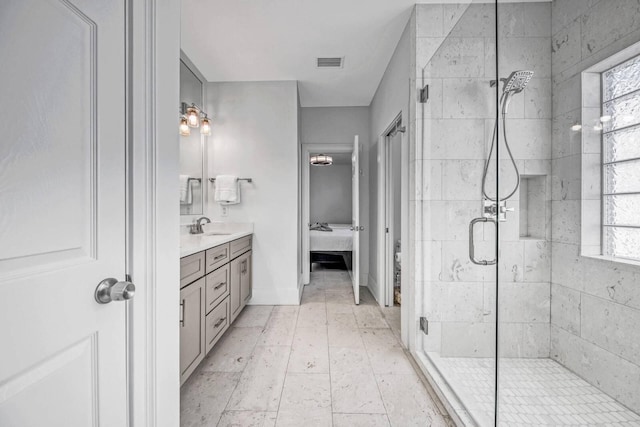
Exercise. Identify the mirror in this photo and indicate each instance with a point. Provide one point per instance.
(191, 146)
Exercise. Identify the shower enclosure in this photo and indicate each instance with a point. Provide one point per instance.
(527, 237)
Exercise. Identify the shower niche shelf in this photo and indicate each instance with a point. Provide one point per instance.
(533, 206)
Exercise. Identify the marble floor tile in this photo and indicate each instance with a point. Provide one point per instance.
(306, 400)
(378, 338)
(349, 360)
(369, 316)
(253, 316)
(279, 330)
(204, 396)
(247, 419)
(356, 393)
(309, 352)
(340, 336)
(326, 362)
(407, 401)
(342, 319)
(233, 351)
(260, 386)
(360, 420)
(390, 360)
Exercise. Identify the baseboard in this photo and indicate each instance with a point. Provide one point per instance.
(374, 289)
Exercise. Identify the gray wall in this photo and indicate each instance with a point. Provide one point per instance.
(338, 125)
(255, 134)
(391, 98)
(595, 304)
(330, 194)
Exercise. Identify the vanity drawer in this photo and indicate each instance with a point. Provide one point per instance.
(240, 246)
(216, 323)
(191, 268)
(217, 257)
(217, 287)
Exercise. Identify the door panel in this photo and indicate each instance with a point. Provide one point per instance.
(62, 210)
(355, 182)
(245, 290)
(235, 279)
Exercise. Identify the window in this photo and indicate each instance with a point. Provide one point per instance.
(621, 160)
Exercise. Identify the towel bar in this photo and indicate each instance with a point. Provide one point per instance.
(239, 179)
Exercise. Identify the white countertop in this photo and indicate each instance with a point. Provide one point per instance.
(193, 243)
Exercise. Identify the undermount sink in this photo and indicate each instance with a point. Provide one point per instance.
(217, 233)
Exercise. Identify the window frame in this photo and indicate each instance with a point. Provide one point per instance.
(604, 226)
(591, 152)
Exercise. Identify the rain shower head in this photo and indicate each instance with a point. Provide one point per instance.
(517, 81)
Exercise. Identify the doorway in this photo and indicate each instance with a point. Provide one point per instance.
(330, 210)
(392, 228)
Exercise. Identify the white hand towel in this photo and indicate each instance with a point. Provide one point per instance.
(227, 191)
(186, 197)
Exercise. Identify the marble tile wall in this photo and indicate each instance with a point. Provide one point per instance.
(595, 304)
(455, 52)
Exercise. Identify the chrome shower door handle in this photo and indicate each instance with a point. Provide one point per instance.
(472, 256)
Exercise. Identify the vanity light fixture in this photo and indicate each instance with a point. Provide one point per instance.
(321, 160)
(205, 129)
(184, 127)
(192, 116)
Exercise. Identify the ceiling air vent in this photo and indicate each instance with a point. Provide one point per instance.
(329, 62)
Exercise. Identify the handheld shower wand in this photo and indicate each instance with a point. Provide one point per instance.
(513, 85)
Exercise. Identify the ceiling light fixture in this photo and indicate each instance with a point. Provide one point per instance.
(576, 127)
(321, 160)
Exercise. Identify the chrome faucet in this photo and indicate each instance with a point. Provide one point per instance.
(196, 227)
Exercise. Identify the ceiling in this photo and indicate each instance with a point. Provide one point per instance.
(261, 40)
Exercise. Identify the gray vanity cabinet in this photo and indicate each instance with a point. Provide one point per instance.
(192, 346)
(215, 285)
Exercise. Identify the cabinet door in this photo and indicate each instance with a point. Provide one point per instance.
(191, 328)
(235, 279)
(245, 285)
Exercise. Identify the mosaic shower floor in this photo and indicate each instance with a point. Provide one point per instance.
(534, 392)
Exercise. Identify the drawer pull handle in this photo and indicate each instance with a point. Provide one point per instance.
(219, 286)
(182, 304)
(220, 257)
(220, 322)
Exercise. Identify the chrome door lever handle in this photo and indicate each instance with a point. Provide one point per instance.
(472, 256)
(111, 290)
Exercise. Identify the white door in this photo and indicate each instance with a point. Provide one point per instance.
(62, 212)
(355, 197)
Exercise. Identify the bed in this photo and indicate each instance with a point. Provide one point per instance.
(338, 240)
(332, 247)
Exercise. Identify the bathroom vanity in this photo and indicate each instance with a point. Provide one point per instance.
(215, 285)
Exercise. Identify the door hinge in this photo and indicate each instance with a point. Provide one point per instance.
(424, 94)
(424, 325)
(386, 230)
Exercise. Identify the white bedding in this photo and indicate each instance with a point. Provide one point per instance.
(340, 239)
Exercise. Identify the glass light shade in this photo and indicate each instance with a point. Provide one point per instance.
(184, 127)
(205, 129)
(321, 160)
(193, 117)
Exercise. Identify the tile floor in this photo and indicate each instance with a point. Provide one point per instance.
(534, 392)
(326, 362)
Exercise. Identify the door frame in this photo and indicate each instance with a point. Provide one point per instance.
(152, 250)
(306, 151)
(384, 245)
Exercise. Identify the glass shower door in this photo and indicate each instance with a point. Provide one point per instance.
(457, 241)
